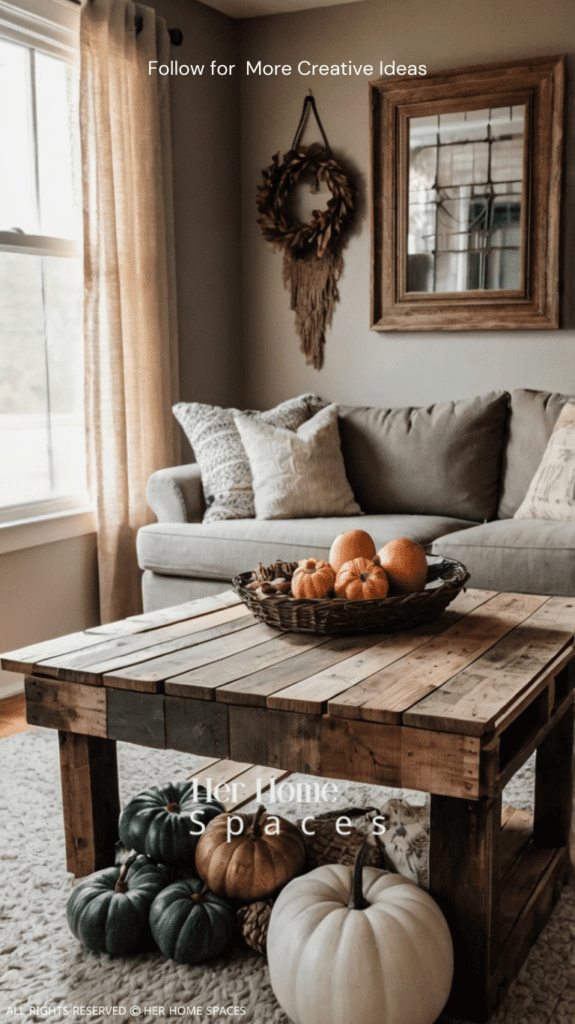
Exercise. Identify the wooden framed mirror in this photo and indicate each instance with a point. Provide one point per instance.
(466, 192)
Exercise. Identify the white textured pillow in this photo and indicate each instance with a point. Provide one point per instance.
(221, 456)
(298, 475)
(551, 493)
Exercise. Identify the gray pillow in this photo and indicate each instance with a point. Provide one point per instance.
(221, 456)
(442, 460)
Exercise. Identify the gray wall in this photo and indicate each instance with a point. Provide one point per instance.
(205, 139)
(364, 366)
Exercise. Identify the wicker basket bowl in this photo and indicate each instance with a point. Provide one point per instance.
(337, 616)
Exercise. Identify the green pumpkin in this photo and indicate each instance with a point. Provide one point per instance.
(189, 923)
(157, 822)
(109, 911)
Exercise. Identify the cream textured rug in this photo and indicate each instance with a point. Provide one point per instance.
(43, 969)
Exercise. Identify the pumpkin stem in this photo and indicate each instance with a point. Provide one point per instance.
(173, 808)
(121, 884)
(357, 900)
(256, 827)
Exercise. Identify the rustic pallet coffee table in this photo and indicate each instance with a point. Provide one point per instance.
(453, 708)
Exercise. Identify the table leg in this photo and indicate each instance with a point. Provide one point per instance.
(91, 801)
(463, 878)
(554, 785)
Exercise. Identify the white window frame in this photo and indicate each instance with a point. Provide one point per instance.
(52, 27)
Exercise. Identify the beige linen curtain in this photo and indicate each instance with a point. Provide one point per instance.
(129, 315)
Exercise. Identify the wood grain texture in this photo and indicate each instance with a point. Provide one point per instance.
(69, 707)
(91, 802)
(136, 718)
(254, 690)
(516, 833)
(26, 658)
(196, 726)
(476, 699)
(464, 879)
(361, 751)
(172, 667)
(443, 763)
(387, 694)
(165, 616)
(120, 652)
(276, 738)
(554, 785)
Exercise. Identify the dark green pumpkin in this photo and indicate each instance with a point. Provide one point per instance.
(109, 911)
(189, 923)
(158, 822)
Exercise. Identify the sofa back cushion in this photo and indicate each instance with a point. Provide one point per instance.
(533, 415)
(442, 460)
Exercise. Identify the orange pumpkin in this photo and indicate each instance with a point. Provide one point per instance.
(352, 544)
(405, 563)
(360, 579)
(312, 578)
(253, 862)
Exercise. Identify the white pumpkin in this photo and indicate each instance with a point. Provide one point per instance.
(337, 954)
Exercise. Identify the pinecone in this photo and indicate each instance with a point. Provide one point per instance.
(253, 921)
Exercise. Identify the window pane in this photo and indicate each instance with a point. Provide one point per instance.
(58, 147)
(18, 208)
(41, 415)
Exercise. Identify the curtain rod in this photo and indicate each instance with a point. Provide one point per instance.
(176, 34)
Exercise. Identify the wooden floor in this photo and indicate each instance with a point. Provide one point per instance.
(13, 715)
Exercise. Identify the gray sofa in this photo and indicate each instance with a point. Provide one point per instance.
(450, 476)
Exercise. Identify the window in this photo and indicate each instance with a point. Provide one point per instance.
(42, 450)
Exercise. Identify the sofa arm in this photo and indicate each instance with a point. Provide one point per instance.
(175, 494)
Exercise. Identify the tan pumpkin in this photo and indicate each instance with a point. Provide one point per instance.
(253, 864)
(312, 578)
(405, 563)
(361, 580)
(348, 545)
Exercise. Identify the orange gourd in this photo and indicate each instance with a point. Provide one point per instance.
(360, 579)
(352, 544)
(405, 563)
(312, 578)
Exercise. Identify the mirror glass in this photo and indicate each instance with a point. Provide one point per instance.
(466, 187)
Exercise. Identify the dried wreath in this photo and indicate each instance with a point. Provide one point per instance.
(312, 252)
(326, 226)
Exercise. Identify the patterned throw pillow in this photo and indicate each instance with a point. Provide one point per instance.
(551, 493)
(298, 473)
(221, 456)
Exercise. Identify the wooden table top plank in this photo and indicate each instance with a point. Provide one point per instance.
(475, 698)
(386, 695)
(119, 653)
(166, 616)
(208, 652)
(25, 659)
(255, 688)
(247, 663)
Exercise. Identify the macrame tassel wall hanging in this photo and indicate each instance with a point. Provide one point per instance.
(313, 259)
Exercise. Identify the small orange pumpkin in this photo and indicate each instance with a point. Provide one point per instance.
(348, 545)
(312, 578)
(253, 863)
(405, 563)
(360, 580)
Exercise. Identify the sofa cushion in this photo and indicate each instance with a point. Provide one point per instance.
(442, 460)
(221, 456)
(551, 493)
(220, 550)
(298, 473)
(532, 416)
(526, 556)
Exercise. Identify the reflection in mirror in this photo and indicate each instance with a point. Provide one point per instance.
(466, 179)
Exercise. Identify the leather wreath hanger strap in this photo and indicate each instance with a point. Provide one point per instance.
(309, 104)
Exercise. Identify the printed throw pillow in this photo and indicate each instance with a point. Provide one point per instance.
(551, 493)
(221, 456)
(301, 474)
